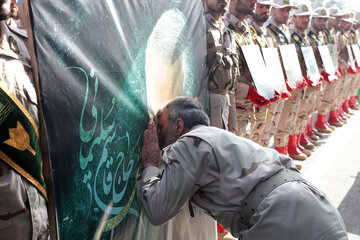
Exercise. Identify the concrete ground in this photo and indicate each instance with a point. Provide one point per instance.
(334, 167)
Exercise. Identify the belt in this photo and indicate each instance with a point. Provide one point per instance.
(262, 189)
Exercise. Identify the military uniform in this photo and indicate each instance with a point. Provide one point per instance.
(260, 38)
(345, 83)
(330, 89)
(316, 39)
(355, 85)
(23, 213)
(222, 63)
(217, 171)
(279, 36)
(244, 107)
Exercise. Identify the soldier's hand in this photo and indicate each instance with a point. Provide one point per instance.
(150, 154)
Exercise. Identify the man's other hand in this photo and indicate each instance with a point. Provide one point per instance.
(150, 154)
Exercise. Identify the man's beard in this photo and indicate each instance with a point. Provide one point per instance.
(243, 10)
(260, 19)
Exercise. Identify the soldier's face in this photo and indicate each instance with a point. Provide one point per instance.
(5, 11)
(245, 6)
(302, 22)
(344, 25)
(217, 6)
(165, 130)
(261, 13)
(281, 15)
(319, 23)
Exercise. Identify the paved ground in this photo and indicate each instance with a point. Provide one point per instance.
(334, 167)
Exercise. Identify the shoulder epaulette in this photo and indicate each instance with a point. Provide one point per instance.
(299, 41)
(279, 34)
(315, 38)
(239, 38)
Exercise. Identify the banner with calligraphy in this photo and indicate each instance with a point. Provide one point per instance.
(105, 66)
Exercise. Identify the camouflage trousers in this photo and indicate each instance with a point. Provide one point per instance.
(306, 110)
(219, 110)
(319, 96)
(287, 122)
(355, 85)
(347, 85)
(257, 128)
(328, 97)
(270, 126)
(341, 91)
(336, 102)
(245, 117)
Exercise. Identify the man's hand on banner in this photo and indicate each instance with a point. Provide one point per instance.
(150, 154)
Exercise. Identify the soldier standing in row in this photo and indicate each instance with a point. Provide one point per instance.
(354, 86)
(354, 99)
(222, 64)
(329, 87)
(279, 33)
(296, 112)
(344, 63)
(332, 33)
(260, 37)
(245, 94)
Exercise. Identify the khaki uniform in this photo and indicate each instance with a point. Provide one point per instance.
(222, 64)
(288, 119)
(259, 35)
(344, 64)
(217, 171)
(279, 36)
(312, 98)
(244, 107)
(354, 84)
(23, 212)
(330, 89)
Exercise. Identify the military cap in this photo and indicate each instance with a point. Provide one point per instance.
(335, 12)
(284, 4)
(303, 10)
(322, 13)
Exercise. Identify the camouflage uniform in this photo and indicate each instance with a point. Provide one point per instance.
(330, 89)
(344, 65)
(289, 117)
(259, 35)
(222, 65)
(217, 171)
(280, 36)
(244, 107)
(354, 84)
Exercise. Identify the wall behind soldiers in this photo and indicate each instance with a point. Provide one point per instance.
(97, 69)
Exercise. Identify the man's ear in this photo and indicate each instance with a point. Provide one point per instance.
(180, 128)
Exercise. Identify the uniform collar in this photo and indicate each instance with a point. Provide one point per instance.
(216, 23)
(295, 30)
(260, 30)
(229, 18)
